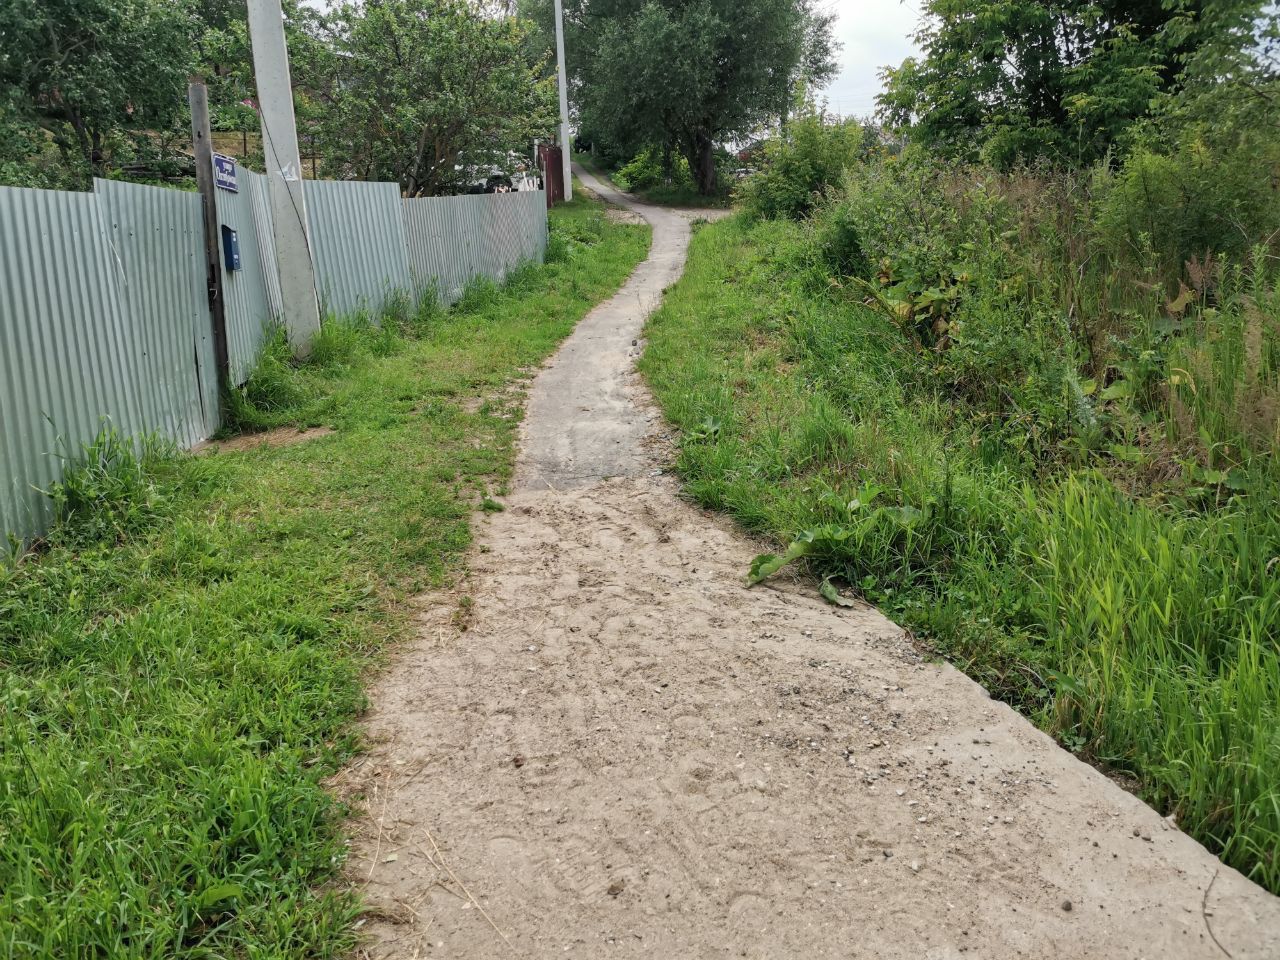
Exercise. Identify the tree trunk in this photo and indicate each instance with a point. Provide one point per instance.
(703, 164)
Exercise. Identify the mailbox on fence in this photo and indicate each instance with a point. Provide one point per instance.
(230, 248)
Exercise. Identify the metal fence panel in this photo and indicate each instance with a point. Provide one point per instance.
(263, 220)
(157, 238)
(463, 221)
(453, 240)
(104, 314)
(357, 244)
(66, 356)
(252, 293)
(426, 227)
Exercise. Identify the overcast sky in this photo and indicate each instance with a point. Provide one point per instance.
(875, 33)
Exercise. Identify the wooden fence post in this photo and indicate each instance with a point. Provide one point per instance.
(198, 97)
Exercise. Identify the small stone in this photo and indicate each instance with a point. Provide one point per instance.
(1066, 906)
(617, 887)
(517, 761)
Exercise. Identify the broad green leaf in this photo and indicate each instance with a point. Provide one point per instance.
(1237, 479)
(832, 595)
(906, 515)
(1119, 390)
(767, 564)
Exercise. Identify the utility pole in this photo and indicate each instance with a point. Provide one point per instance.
(202, 148)
(284, 174)
(565, 146)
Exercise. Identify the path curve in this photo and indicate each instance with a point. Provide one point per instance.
(618, 751)
(586, 417)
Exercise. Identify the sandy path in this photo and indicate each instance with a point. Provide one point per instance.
(618, 751)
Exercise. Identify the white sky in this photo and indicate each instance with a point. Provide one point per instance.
(875, 33)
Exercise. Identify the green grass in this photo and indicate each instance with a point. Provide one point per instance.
(1142, 630)
(180, 665)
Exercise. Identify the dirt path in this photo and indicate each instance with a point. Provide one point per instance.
(618, 751)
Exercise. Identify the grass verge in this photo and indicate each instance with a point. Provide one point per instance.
(180, 665)
(1142, 632)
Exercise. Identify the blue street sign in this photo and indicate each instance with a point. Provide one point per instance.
(224, 173)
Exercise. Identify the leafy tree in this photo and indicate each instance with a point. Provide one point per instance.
(1202, 173)
(1065, 79)
(423, 92)
(99, 79)
(683, 75)
(1231, 75)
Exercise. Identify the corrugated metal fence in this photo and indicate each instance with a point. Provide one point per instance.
(103, 313)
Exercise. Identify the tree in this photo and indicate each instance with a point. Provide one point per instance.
(424, 92)
(1064, 79)
(687, 74)
(100, 79)
(1231, 71)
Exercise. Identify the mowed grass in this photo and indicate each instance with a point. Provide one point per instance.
(1144, 634)
(180, 665)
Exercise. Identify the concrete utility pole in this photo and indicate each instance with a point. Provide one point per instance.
(284, 174)
(565, 146)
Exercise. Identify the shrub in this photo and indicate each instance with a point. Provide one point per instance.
(840, 242)
(933, 248)
(801, 167)
(1164, 207)
(648, 169)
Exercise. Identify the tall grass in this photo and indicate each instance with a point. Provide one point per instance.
(1163, 630)
(1090, 530)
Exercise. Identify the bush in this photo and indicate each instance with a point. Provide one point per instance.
(1164, 208)
(647, 169)
(933, 248)
(840, 242)
(801, 167)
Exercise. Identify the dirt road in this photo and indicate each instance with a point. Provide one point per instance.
(618, 751)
